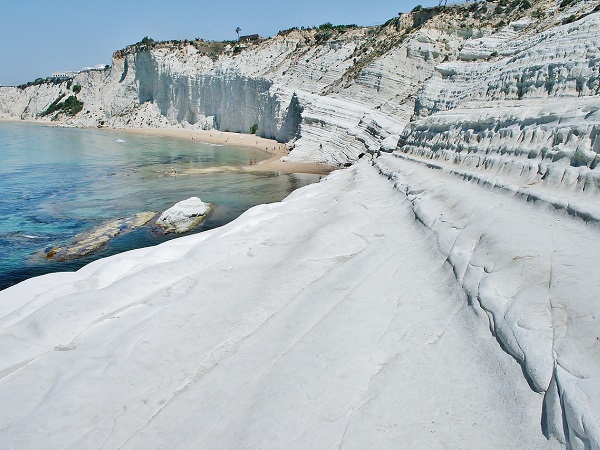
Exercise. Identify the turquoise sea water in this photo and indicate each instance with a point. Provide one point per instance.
(58, 182)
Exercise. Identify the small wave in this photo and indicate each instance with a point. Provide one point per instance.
(17, 236)
(120, 141)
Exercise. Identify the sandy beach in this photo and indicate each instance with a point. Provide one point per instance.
(275, 149)
(270, 146)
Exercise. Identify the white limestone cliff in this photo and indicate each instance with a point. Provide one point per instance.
(493, 122)
(333, 98)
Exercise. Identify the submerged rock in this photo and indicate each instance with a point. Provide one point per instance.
(183, 216)
(98, 237)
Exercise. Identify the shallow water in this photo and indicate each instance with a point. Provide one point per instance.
(58, 182)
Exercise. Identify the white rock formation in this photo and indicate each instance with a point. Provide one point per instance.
(450, 301)
(333, 98)
(330, 319)
(183, 216)
(528, 269)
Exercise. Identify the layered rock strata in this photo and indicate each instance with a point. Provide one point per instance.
(492, 118)
(333, 95)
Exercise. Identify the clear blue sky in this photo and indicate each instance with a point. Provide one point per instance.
(38, 37)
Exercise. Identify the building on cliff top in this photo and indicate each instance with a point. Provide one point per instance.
(64, 75)
(251, 38)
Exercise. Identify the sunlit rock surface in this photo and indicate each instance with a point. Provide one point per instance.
(334, 97)
(329, 319)
(441, 295)
(183, 216)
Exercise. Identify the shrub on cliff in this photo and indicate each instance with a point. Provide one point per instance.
(287, 31)
(53, 106)
(322, 37)
(38, 81)
(71, 106)
(325, 30)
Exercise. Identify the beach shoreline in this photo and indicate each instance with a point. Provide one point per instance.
(269, 146)
(40, 122)
(275, 149)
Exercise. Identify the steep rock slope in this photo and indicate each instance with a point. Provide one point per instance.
(529, 270)
(533, 112)
(332, 94)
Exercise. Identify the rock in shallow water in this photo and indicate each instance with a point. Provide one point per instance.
(183, 216)
(90, 241)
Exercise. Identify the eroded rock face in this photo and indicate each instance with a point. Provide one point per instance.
(509, 118)
(333, 98)
(183, 216)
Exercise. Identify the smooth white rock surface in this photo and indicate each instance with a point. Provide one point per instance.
(331, 319)
(183, 216)
(530, 270)
(451, 302)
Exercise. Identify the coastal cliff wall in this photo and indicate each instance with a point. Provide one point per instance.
(533, 112)
(504, 96)
(334, 94)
